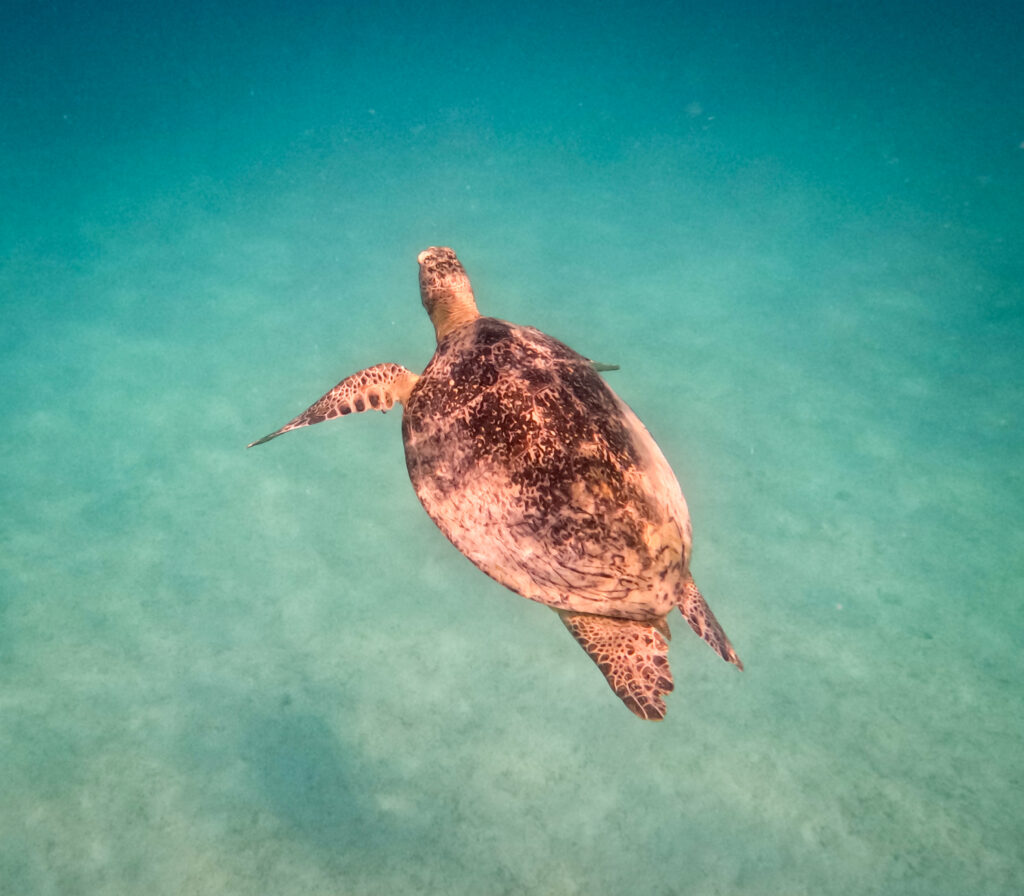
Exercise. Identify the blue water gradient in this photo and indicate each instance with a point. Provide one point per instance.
(797, 230)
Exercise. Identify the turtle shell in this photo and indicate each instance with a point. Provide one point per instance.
(535, 470)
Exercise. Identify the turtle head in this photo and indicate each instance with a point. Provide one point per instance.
(445, 290)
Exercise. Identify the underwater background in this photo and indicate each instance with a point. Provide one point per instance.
(799, 230)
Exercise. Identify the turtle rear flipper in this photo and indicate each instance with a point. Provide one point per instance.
(633, 656)
(375, 388)
(697, 612)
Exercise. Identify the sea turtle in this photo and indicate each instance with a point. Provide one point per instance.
(544, 478)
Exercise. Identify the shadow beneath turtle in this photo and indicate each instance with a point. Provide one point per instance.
(320, 793)
(275, 772)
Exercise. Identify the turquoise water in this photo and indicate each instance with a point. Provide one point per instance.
(798, 231)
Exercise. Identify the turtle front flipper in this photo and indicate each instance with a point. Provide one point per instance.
(375, 388)
(633, 656)
(697, 612)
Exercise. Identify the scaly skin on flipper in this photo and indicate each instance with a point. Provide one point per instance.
(696, 611)
(632, 655)
(375, 388)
